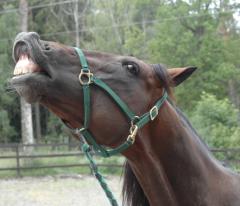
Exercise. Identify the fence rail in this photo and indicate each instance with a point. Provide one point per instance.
(229, 156)
(19, 154)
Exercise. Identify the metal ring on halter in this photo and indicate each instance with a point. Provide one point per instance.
(134, 120)
(85, 77)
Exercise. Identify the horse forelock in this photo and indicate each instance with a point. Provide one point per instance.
(164, 78)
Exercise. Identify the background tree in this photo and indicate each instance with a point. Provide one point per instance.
(217, 121)
(26, 109)
(177, 33)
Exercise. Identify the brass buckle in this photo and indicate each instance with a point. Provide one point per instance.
(133, 132)
(153, 113)
(85, 77)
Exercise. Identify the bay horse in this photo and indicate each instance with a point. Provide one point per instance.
(168, 164)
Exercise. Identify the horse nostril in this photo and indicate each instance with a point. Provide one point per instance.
(20, 48)
(47, 47)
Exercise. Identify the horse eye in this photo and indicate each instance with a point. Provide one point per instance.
(129, 66)
(132, 67)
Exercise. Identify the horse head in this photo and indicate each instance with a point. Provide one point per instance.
(168, 159)
(48, 72)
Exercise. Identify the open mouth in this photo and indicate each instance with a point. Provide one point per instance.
(25, 65)
(27, 52)
(27, 78)
(31, 73)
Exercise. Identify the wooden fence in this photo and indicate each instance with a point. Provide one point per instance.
(229, 157)
(18, 154)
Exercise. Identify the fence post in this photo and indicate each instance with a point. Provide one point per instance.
(18, 160)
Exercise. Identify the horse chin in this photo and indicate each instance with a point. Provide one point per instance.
(30, 86)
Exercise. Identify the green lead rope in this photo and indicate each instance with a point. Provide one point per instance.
(86, 149)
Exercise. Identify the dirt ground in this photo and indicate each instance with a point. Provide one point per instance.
(57, 191)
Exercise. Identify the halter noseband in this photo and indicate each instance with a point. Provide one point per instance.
(86, 78)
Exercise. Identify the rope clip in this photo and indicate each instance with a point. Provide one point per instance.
(133, 132)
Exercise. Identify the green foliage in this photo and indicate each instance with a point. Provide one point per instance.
(54, 132)
(190, 36)
(175, 33)
(8, 26)
(217, 121)
(133, 36)
(6, 130)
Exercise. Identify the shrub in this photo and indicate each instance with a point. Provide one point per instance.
(216, 120)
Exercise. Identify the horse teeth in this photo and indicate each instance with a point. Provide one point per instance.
(25, 70)
(25, 65)
(20, 70)
(16, 71)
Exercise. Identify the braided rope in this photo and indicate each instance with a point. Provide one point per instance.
(86, 149)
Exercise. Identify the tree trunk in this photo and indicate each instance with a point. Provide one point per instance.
(76, 19)
(26, 109)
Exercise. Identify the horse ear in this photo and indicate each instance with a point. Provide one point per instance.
(178, 75)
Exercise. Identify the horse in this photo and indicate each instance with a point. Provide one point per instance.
(167, 163)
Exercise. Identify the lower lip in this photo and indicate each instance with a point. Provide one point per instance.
(25, 75)
(28, 75)
(20, 75)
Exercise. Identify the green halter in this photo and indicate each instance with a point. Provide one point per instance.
(87, 78)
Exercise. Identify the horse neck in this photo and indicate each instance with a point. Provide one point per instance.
(171, 163)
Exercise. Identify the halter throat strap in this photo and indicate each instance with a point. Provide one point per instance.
(86, 78)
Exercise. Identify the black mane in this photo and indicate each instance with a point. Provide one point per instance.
(164, 78)
(132, 191)
(188, 123)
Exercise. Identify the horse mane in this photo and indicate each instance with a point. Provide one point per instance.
(188, 123)
(133, 194)
(164, 78)
(167, 83)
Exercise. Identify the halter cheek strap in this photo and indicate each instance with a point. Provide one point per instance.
(86, 78)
